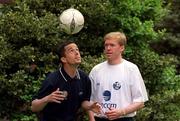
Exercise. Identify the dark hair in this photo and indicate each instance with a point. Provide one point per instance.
(60, 51)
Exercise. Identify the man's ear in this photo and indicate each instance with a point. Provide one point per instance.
(63, 59)
(122, 48)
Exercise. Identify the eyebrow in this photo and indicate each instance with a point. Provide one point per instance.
(72, 48)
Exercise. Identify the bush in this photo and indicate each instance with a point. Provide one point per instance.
(29, 31)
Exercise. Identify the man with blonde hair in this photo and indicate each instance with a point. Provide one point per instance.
(117, 84)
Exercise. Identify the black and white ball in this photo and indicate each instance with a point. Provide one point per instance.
(71, 21)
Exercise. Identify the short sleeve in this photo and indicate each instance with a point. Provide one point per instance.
(45, 89)
(138, 89)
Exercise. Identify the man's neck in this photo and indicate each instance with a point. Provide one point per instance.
(116, 61)
(70, 70)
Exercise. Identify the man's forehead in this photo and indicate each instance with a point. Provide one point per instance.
(72, 45)
(110, 41)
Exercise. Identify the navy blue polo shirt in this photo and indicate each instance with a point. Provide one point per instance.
(79, 90)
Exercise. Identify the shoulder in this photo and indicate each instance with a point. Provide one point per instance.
(99, 66)
(82, 74)
(53, 74)
(129, 65)
(52, 77)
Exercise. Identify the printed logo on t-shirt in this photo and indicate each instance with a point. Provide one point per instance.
(107, 104)
(116, 85)
(98, 84)
(80, 93)
(107, 95)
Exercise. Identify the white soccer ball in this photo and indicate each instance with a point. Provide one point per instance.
(71, 21)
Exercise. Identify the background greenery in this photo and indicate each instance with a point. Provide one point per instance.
(29, 33)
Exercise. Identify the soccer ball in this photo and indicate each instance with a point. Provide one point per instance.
(71, 21)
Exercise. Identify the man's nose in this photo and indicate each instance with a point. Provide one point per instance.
(108, 47)
(77, 52)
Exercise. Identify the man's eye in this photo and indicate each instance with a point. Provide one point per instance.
(70, 51)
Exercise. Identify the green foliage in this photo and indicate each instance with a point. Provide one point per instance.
(90, 61)
(161, 107)
(26, 41)
(29, 33)
(158, 72)
(21, 117)
(170, 43)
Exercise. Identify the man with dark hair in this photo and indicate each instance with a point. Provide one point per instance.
(64, 91)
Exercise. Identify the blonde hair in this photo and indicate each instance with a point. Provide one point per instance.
(119, 36)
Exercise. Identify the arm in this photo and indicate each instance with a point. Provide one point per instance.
(86, 105)
(133, 107)
(91, 116)
(39, 104)
(116, 113)
(95, 107)
(91, 108)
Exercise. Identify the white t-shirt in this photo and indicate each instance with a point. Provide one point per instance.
(117, 86)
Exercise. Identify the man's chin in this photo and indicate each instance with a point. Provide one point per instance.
(78, 62)
(108, 57)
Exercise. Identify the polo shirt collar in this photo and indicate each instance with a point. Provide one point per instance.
(66, 76)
